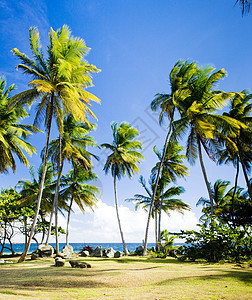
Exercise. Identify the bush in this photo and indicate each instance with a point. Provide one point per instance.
(217, 242)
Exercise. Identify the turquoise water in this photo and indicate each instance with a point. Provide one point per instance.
(77, 247)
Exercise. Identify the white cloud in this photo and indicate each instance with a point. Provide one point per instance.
(102, 226)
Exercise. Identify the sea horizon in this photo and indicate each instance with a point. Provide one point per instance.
(77, 247)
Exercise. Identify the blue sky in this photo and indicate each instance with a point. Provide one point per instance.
(135, 44)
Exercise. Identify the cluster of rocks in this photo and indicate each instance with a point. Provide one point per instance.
(49, 251)
(99, 252)
(2, 261)
(43, 251)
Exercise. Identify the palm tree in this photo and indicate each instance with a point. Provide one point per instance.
(59, 81)
(199, 118)
(173, 167)
(12, 133)
(30, 190)
(71, 146)
(123, 159)
(76, 189)
(238, 147)
(164, 196)
(181, 74)
(221, 198)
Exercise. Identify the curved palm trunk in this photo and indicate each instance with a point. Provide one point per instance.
(155, 188)
(68, 221)
(27, 246)
(205, 177)
(246, 179)
(118, 218)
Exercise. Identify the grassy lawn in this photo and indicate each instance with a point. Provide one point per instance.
(125, 278)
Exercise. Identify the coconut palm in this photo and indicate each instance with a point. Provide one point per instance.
(173, 168)
(221, 198)
(12, 134)
(76, 190)
(238, 147)
(200, 121)
(30, 190)
(181, 74)
(59, 82)
(163, 195)
(123, 159)
(71, 146)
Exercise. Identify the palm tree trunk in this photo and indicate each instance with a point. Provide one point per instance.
(27, 246)
(156, 228)
(205, 177)
(56, 197)
(235, 188)
(159, 222)
(246, 179)
(118, 218)
(155, 188)
(68, 221)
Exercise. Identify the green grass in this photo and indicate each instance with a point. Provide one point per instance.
(126, 278)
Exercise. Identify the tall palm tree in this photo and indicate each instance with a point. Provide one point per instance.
(71, 146)
(76, 189)
(181, 74)
(59, 82)
(200, 121)
(12, 134)
(123, 159)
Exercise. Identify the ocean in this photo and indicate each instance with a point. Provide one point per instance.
(77, 247)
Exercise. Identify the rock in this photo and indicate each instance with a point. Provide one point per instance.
(9, 262)
(34, 255)
(45, 251)
(139, 250)
(84, 253)
(97, 252)
(118, 254)
(79, 264)
(109, 252)
(67, 251)
(2, 261)
(59, 262)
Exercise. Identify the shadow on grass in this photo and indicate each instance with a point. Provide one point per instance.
(244, 276)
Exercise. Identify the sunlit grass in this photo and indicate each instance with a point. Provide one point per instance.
(126, 278)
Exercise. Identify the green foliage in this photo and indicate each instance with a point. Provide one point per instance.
(217, 242)
(13, 135)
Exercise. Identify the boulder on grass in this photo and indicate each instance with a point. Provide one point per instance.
(118, 254)
(59, 261)
(97, 252)
(109, 252)
(139, 250)
(67, 251)
(45, 251)
(34, 255)
(79, 264)
(84, 253)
